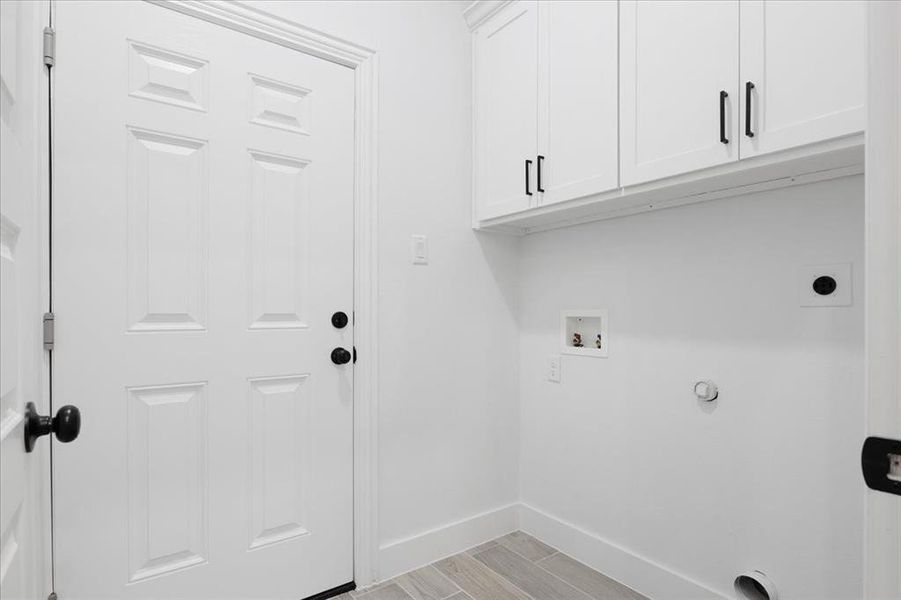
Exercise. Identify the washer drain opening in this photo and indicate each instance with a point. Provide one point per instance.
(754, 586)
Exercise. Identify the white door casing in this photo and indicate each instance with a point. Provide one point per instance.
(505, 51)
(203, 237)
(24, 477)
(883, 286)
(675, 59)
(806, 61)
(578, 98)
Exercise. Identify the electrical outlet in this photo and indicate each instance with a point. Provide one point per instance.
(825, 285)
(553, 368)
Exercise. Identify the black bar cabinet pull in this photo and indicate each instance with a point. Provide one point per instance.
(723, 138)
(528, 168)
(540, 162)
(748, 87)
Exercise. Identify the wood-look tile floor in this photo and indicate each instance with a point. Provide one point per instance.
(513, 567)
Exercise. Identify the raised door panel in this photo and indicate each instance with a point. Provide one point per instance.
(169, 77)
(578, 98)
(280, 105)
(279, 422)
(278, 246)
(506, 119)
(167, 205)
(676, 60)
(167, 479)
(807, 64)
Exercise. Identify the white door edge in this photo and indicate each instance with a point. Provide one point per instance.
(882, 559)
(45, 115)
(364, 61)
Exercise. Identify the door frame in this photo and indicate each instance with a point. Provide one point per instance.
(882, 549)
(364, 61)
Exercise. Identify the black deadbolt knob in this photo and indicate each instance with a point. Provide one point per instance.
(340, 356)
(66, 425)
(824, 285)
(339, 320)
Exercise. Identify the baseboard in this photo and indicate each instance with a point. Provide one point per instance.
(401, 556)
(639, 573)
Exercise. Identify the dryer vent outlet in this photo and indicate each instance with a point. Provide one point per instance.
(754, 585)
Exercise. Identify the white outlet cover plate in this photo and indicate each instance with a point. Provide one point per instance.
(553, 368)
(840, 297)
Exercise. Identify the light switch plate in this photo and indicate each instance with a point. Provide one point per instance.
(419, 250)
(840, 297)
(553, 368)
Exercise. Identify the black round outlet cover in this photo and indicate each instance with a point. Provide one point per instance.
(824, 285)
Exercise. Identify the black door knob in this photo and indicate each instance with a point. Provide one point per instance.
(340, 356)
(66, 425)
(339, 320)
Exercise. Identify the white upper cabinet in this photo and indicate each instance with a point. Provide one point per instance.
(678, 87)
(585, 109)
(806, 63)
(506, 110)
(577, 99)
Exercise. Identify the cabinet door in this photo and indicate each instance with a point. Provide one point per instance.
(506, 110)
(676, 59)
(577, 96)
(807, 63)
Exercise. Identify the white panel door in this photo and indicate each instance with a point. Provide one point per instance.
(24, 477)
(506, 110)
(676, 60)
(578, 99)
(203, 237)
(806, 61)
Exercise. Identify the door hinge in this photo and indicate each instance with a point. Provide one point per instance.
(49, 46)
(49, 333)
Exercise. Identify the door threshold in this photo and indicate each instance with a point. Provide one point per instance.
(335, 591)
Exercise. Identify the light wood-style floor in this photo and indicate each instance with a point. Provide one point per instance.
(514, 567)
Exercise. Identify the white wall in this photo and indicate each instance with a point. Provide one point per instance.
(765, 478)
(448, 359)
